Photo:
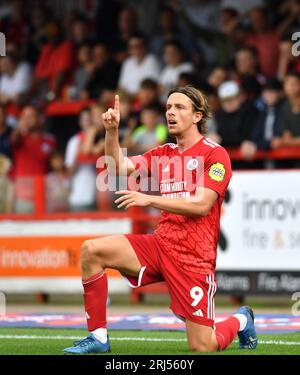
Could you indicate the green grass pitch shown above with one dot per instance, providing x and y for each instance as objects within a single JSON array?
[{"x": 53, "y": 341}]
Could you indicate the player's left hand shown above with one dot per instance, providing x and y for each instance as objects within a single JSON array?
[{"x": 132, "y": 198}]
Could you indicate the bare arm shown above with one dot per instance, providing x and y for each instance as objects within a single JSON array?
[
  {"x": 111, "y": 121},
  {"x": 200, "y": 205},
  {"x": 59, "y": 81},
  {"x": 291, "y": 9},
  {"x": 88, "y": 142},
  {"x": 289, "y": 140},
  {"x": 89, "y": 147},
  {"x": 99, "y": 148},
  {"x": 285, "y": 58}
]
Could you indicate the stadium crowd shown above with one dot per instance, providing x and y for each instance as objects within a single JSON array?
[{"x": 240, "y": 54}]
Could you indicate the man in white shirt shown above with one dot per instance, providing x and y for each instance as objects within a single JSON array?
[
  {"x": 175, "y": 65},
  {"x": 139, "y": 65},
  {"x": 83, "y": 185},
  {"x": 15, "y": 78}
]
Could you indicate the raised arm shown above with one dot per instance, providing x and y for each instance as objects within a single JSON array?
[
  {"x": 111, "y": 121},
  {"x": 17, "y": 134}
]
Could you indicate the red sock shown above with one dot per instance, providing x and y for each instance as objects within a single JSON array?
[
  {"x": 226, "y": 331},
  {"x": 95, "y": 298}
]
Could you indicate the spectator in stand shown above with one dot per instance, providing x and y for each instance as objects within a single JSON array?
[
  {"x": 104, "y": 75},
  {"x": 202, "y": 17},
  {"x": 246, "y": 64},
  {"x": 15, "y": 79},
  {"x": 15, "y": 26},
  {"x": 229, "y": 23},
  {"x": 127, "y": 26},
  {"x": 265, "y": 40},
  {"x": 186, "y": 79},
  {"x": 251, "y": 88},
  {"x": 288, "y": 59},
  {"x": 93, "y": 143},
  {"x": 217, "y": 26},
  {"x": 39, "y": 25},
  {"x": 82, "y": 73},
  {"x": 267, "y": 132},
  {"x": 82, "y": 167},
  {"x": 54, "y": 66},
  {"x": 168, "y": 30},
  {"x": 148, "y": 93},
  {"x": 107, "y": 18},
  {"x": 150, "y": 134},
  {"x": 289, "y": 11},
  {"x": 217, "y": 76},
  {"x": 175, "y": 64},
  {"x": 6, "y": 186},
  {"x": 80, "y": 32},
  {"x": 214, "y": 106},
  {"x": 5, "y": 135},
  {"x": 58, "y": 185},
  {"x": 128, "y": 120},
  {"x": 235, "y": 120},
  {"x": 32, "y": 148},
  {"x": 139, "y": 65},
  {"x": 291, "y": 110},
  {"x": 212, "y": 98}
]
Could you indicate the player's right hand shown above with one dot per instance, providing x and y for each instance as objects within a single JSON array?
[{"x": 111, "y": 118}]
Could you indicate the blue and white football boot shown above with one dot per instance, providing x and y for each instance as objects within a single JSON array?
[
  {"x": 247, "y": 337},
  {"x": 89, "y": 345}
]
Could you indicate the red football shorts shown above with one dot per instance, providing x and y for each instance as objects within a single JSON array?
[{"x": 192, "y": 294}]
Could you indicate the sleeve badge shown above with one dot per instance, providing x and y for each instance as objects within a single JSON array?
[{"x": 217, "y": 172}]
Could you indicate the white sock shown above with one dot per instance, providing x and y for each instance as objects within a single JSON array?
[
  {"x": 101, "y": 334},
  {"x": 242, "y": 319}
]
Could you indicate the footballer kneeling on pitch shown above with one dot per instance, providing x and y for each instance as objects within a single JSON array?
[{"x": 192, "y": 176}]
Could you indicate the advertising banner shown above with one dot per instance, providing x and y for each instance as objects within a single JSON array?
[
  {"x": 44, "y": 256},
  {"x": 259, "y": 247}
]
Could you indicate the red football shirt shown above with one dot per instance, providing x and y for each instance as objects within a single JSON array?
[
  {"x": 54, "y": 59},
  {"x": 267, "y": 46},
  {"x": 190, "y": 241},
  {"x": 31, "y": 155}
]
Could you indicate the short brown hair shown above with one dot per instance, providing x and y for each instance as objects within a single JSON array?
[{"x": 199, "y": 103}]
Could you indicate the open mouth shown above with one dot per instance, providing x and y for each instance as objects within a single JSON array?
[{"x": 172, "y": 122}]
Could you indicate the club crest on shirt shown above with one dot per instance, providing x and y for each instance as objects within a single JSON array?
[
  {"x": 192, "y": 164},
  {"x": 217, "y": 172}
]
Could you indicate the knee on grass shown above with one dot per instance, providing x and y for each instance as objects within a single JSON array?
[{"x": 202, "y": 347}]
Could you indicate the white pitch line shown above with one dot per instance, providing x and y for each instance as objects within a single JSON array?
[
  {"x": 280, "y": 342},
  {"x": 26, "y": 337},
  {"x": 149, "y": 339}
]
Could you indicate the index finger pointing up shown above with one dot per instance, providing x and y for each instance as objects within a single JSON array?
[{"x": 117, "y": 103}]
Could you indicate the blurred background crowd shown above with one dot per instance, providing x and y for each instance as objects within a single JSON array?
[{"x": 239, "y": 53}]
